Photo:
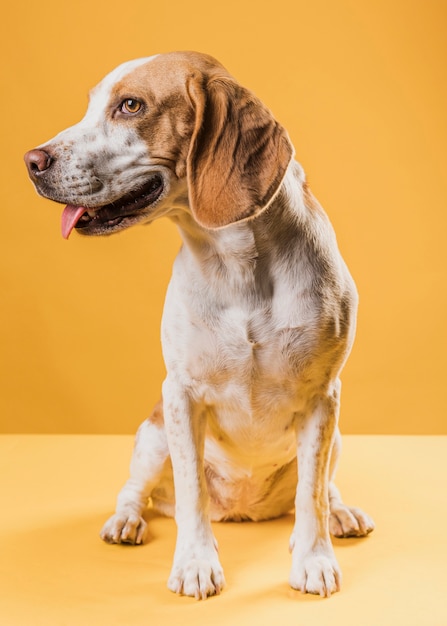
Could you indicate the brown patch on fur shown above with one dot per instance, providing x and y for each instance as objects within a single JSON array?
[
  {"x": 156, "y": 416},
  {"x": 239, "y": 154},
  {"x": 167, "y": 121},
  {"x": 309, "y": 199},
  {"x": 206, "y": 126}
]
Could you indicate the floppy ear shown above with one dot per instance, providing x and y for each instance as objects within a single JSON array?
[{"x": 238, "y": 154}]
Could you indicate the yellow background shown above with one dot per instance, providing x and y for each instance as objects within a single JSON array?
[{"x": 361, "y": 87}]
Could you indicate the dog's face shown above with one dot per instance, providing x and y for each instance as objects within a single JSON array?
[
  {"x": 115, "y": 167},
  {"x": 167, "y": 133}
]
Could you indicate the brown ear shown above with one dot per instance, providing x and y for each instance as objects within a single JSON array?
[{"x": 238, "y": 154}]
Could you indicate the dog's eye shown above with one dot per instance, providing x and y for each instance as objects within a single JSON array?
[{"x": 130, "y": 106}]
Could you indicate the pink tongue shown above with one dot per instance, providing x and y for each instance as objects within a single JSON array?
[{"x": 70, "y": 217}]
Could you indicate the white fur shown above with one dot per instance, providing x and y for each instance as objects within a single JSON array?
[{"x": 119, "y": 155}]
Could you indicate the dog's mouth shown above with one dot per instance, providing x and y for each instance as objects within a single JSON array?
[{"x": 117, "y": 215}]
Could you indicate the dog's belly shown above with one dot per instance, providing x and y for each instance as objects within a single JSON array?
[
  {"x": 250, "y": 466},
  {"x": 255, "y": 496}
]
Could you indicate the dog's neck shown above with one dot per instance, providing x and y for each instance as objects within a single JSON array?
[{"x": 245, "y": 254}]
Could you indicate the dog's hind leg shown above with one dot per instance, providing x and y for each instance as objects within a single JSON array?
[
  {"x": 344, "y": 521},
  {"x": 150, "y": 460}
]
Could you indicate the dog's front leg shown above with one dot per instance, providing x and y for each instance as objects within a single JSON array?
[
  {"x": 196, "y": 570},
  {"x": 314, "y": 566}
]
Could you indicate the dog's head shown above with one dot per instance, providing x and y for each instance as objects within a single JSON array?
[{"x": 168, "y": 133}]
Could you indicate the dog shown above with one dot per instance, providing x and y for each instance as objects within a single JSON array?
[{"x": 259, "y": 317}]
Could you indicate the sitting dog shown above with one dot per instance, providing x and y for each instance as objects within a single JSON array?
[{"x": 259, "y": 316}]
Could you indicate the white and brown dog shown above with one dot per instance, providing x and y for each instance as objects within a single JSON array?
[{"x": 259, "y": 316}]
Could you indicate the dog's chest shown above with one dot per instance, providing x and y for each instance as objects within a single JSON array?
[
  {"x": 249, "y": 357},
  {"x": 246, "y": 330}
]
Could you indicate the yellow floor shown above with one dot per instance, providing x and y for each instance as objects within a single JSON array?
[{"x": 56, "y": 491}]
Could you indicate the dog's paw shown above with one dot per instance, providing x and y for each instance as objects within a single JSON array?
[
  {"x": 316, "y": 573},
  {"x": 124, "y": 528},
  {"x": 348, "y": 521},
  {"x": 198, "y": 578}
]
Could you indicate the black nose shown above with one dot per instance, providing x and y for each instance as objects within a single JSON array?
[{"x": 37, "y": 162}]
